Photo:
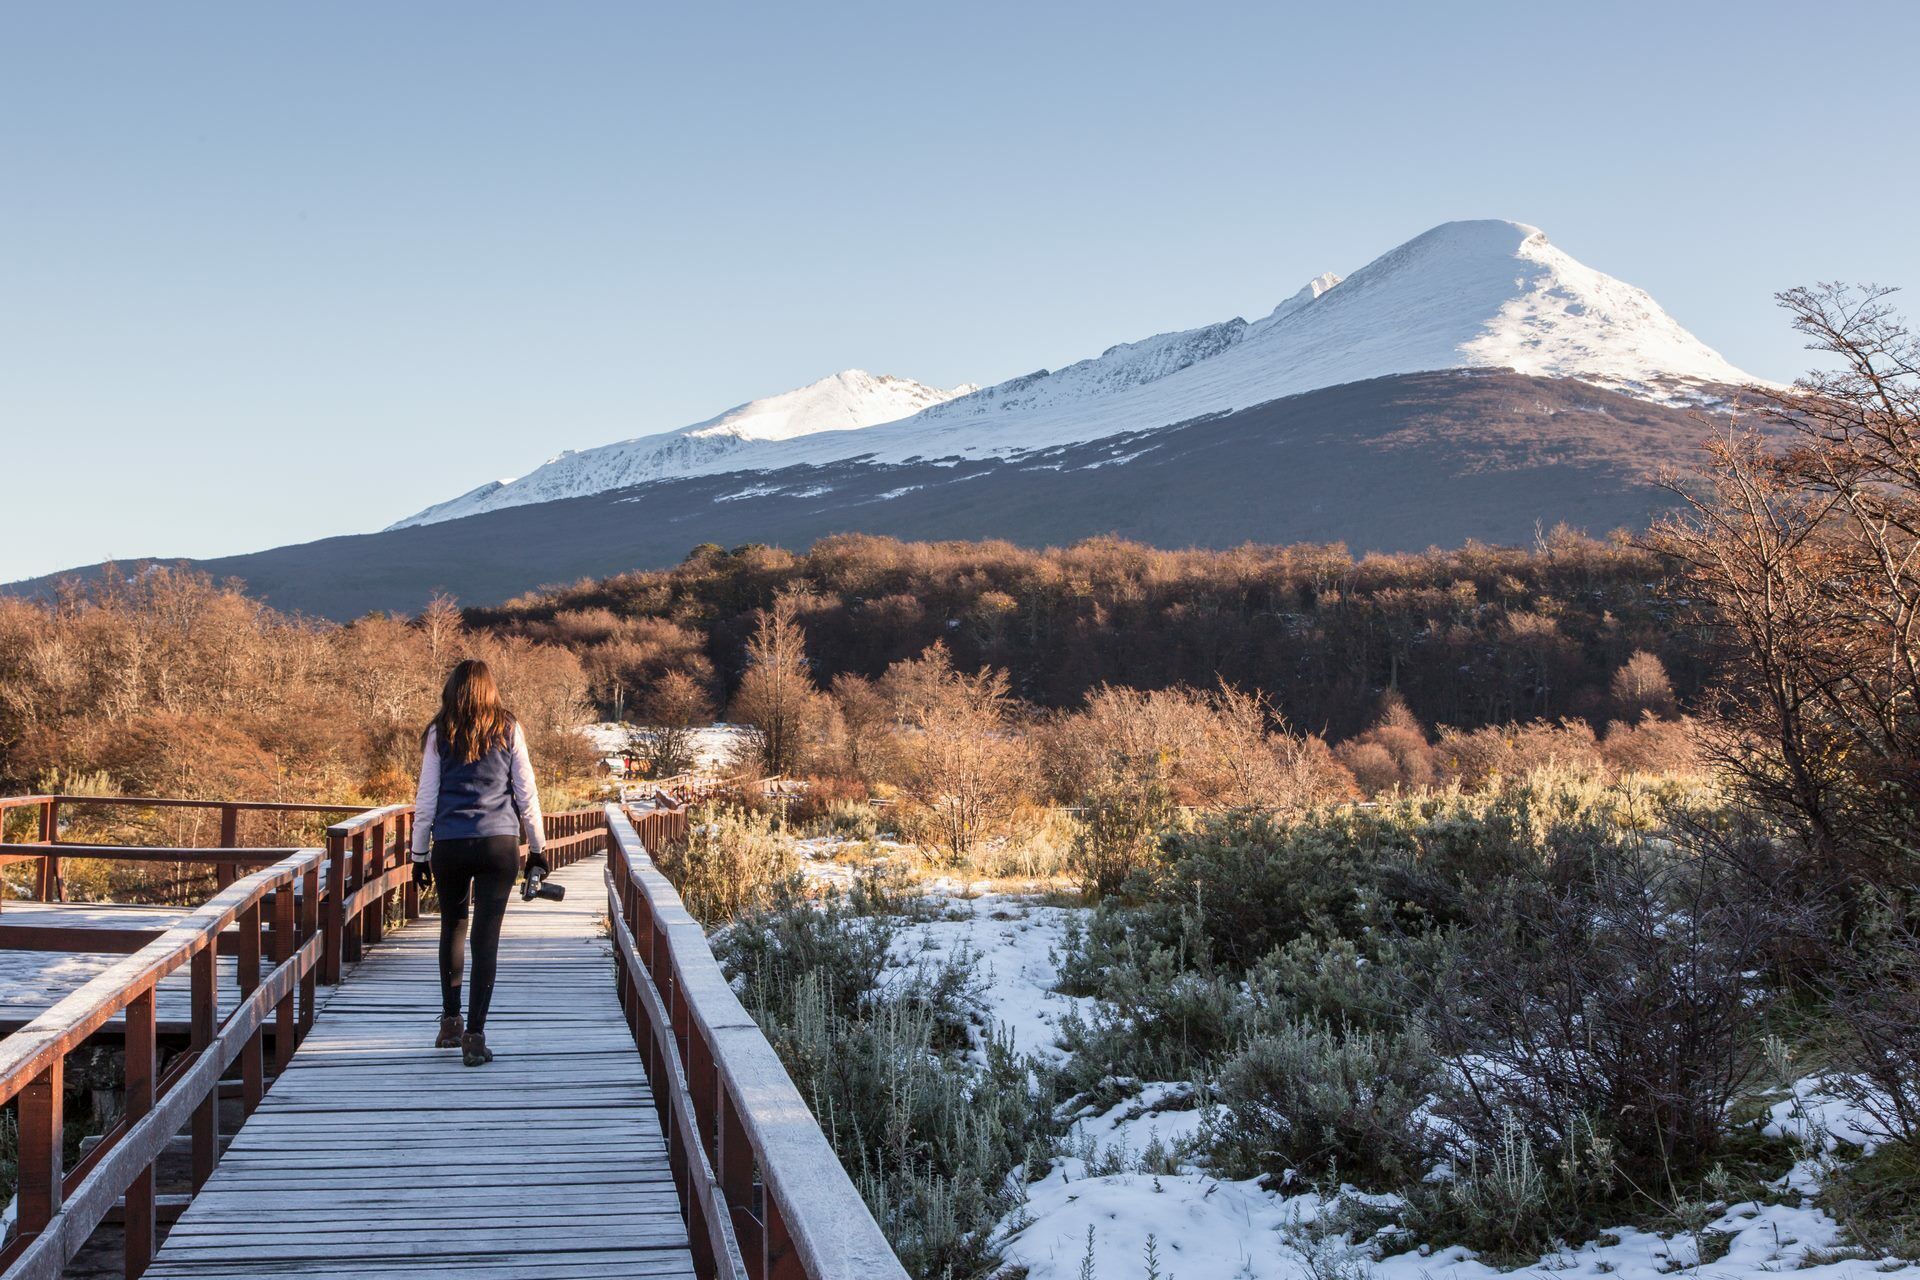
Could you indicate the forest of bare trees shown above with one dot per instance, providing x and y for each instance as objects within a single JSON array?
[
  {"x": 1467, "y": 637},
  {"x": 169, "y": 684}
]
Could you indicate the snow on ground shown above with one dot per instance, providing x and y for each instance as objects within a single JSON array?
[
  {"x": 1208, "y": 1228},
  {"x": 715, "y": 746},
  {"x": 1211, "y": 1229},
  {"x": 835, "y": 862},
  {"x": 1111, "y": 1178},
  {"x": 1816, "y": 1114},
  {"x": 1010, "y": 943}
]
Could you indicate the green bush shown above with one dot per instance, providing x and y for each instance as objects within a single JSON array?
[
  {"x": 1511, "y": 1203},
  {"x": 1333, "y": 981},
  {"x": 1258, "y": 882},
  {"x": 1120, "y": 825},
  {"x": 1163, "y": 1011},
  {"x": 1877, "y": 1200},
  {"x": 1306, "y": 1100},
  {"x": 931, "y": 1131}
]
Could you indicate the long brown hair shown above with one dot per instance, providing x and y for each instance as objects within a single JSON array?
[{"x": 472, "y": 719}]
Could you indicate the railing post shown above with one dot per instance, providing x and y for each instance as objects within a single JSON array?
[
  {"x": 253, "y": 1082},
  {"x": 780, "y": 1261},
  {"x": 309, "y": 926},
  {"x": 410, "y": 895},
  {"x": 205, "y": 1016},
  {"x": 733, "y": 1170},
  {"x": 285, "y": 944},
  {"x": 42, "y": 1142},
  {"x": 376, "y": 918},
  {"x": 335, "y": 943},
  {"x": 355, "y": 930},
  {"x": 139, "y": 1230},
  {"x": 225, "y": 873},
  {"x": 51, "y": 888}
]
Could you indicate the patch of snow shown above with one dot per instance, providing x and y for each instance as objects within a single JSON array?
[
  {"x": 1208, "y": 1228},
  {"x": 1818, "y": 1114},
  {"x": 715, "y": 746},
  {"x": 1011, "y": 942},
  {"x": 751, "y": 491}
]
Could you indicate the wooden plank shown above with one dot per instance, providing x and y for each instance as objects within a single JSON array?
[{"x": 376, "y": 1157}]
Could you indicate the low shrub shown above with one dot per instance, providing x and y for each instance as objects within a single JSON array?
[
  {"x": 931, "y": 1127},
  {"x": 733, "y": 861},
  {"x": 1257, "y": 882},
  {"x": 1120, "y": 829},
  {"x": 1306, "y": 1100},
  {"x": 1877, "y": 1200},
  {"x": 1620, "y": 1004},
  {"x": 1873, "y": 986}
]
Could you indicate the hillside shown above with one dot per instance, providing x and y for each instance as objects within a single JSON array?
[{"x": 1390, "y": 464}]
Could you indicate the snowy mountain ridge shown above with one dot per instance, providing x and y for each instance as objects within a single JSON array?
[
  {"x": 845, "y": 401},
  {"x": 1485, "y": 294}
]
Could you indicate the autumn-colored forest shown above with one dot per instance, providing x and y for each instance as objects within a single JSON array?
[{"x": 1468, "y": 637}]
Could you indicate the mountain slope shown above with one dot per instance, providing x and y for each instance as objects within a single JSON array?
[
  {"x": 845, "y": 401},
  {"x": 1479, "y": 294},
  {"x": 1389, "y": 464}
]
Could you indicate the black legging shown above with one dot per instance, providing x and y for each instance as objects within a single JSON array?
[{"x": 481, "y": 869}]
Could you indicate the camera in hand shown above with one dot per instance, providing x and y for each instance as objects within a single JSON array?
[{"x": 536, "y": 886}]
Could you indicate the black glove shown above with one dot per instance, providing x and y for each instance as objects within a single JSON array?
[
  {"x": 423, "y": 873},
  {"x": 537, "y": 858}
]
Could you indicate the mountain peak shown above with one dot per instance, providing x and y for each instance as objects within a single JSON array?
[
  {"x": 1483, "y": 293},
  {"x": 843, "y": 401}
]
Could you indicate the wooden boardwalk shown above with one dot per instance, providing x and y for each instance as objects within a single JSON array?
[{"x": 375, "y": 1155}]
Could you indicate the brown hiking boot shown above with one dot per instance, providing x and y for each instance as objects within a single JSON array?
[
  {"x": 451, "y": 1029},
  {"x": 473, "y": 1049}
]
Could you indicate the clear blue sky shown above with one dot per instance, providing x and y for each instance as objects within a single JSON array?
[{"x": 270, "y": 272}]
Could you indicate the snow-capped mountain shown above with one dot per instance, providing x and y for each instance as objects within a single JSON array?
[
  {"x": 1479, "y": 294},
  {"x": 845, "y": 401}
]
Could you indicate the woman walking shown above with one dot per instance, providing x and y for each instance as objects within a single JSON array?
[{"x": 476, "y": 798}]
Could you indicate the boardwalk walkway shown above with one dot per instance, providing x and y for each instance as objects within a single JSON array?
[{"x": 377, "y": 1156}]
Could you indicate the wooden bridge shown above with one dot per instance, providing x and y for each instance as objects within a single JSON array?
[{"x": 276, "y": 1065}]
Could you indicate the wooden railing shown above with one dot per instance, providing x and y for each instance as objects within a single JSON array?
[
  {"x": 48, "y": 850},
  {"x": 764, "y": 1195},
  {"x": 691, "y": 788},
  {"x": 294, "y": 922},
  {"x": 58, "y": 1208}
]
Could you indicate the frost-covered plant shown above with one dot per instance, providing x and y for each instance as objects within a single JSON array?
[
  {"x": 931, "y": 1128},
  {"x": 1306, "y": 1099},
  {"x": 1322, "y": 1242},
  {"x": 1164, "y": 1012}
]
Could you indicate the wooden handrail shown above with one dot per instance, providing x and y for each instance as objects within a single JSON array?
[
  {"x": 727, "y": 1104},
  {"x": 58, "y": 1211},
  {"x": 226, "y": 870},
  {"x": 177, "y": 802}
]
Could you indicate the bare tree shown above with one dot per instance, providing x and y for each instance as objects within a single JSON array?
[
  {"x": 1641, "y": 687},
  {"x": 672, "y": 708},
  {"x": 777, "y": 695},
  {"x": 442, "y": 624},
  {"x": 964, "y": 767},
  {"x": 1806, "y": 561}
]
